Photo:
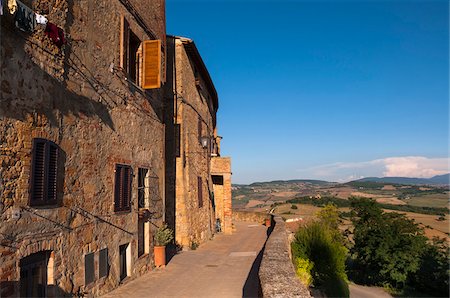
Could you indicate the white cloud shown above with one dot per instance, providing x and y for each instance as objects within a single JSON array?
[
  {"x": 408, "y": 166},
  {"x": 415, "y": 166}
]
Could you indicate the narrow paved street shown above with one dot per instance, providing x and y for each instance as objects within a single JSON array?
[
  {"x": 219, "y": 268},
  {"x": 358, "y": 291}
]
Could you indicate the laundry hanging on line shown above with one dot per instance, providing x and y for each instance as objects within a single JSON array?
[
  {"x": 40, "y": 19},
  {"x": 12, "y": 6},
  {"x": 25, "y": 17},
  {"x": 56, "y": 34}
]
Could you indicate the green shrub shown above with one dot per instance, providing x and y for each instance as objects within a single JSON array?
[
  {"x": 163, "y": 236},
  {"x": 303, "y": 270},
  {"x": 294, "y": 207},
  {"x": 317, "y": 243}
]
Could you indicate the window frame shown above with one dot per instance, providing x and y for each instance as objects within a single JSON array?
[{"x": 48, "y": 173}]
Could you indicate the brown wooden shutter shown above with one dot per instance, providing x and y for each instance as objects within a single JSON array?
[
  {"x": 89, "y": 272},
  {"x": 200, "y": 192},
  {"x": 38, "y": 172},
  {"x": 103, "y": 266},
  {"x": 52, "y": 173},
  {"x": 124, "y": 43},
  {"x": 118, "y": 189},
  {"x": 122, "y": 188},
  {"x": 151, "y": 66},
  {"x": 127, "y": 189}
]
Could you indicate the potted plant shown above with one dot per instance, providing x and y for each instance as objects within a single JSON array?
[{"x": 163, "y": 236}]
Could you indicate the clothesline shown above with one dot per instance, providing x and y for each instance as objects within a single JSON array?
[{"x": 27, "y": 20}]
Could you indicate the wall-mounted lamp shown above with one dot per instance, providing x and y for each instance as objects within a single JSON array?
[{"x": 204, "y": 141}]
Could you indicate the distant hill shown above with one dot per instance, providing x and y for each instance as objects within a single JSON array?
[
  {"x": 279, "y": 182},
  {"x": 436, "y": 180}
]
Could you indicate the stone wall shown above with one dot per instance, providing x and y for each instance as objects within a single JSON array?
[
  {"x": 276, "y": 273},
  {"x": 259, "y": 217},
  {"x": 78, "y": 98}
]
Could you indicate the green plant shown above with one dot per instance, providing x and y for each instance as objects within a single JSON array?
[
  {"x": 388, "y": 246},
  {"x": 317, "y": 244},
  {"x": 163, "y": 236},
  {"x": 194, "y": 245},
  {"x": 294, "y": 207},
  {"x": 303, "y": 270}
]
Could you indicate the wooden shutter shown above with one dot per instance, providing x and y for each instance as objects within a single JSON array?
[
  {"x": 122, "y": 188},
  {"x": 200, "y": 192},
  {"x": 151, "y": 66},
  {"x": 126, "y": 196},
  {"x": 118, "y": 189},
  {"x": 103, "y": 266},
  {"x": 52, "y": 173},
  {"x": 38, "y": 172},
  {"x": 89, "y": 273},
  {"x": 44, "y": 173},
  {"x": 124, "y": 43}
]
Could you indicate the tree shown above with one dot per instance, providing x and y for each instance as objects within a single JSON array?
[
  {"x": 387, "y": 246},
  {"x": 433, "y": 274}
]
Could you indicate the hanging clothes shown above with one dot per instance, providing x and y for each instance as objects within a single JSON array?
[
  {"x": 56, "y": 34},
  {"x": 24, "y": 18},
  {"x": 40, "y": 19},
  {"x": 12, "y": 6}
]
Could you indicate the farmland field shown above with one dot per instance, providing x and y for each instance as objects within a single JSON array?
[{"x": 432, "y": 200}]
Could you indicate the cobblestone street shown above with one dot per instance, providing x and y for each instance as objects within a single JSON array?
[{"x": 219, "y": 268}]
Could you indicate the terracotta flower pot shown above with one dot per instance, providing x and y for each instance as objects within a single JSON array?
[
  {"x": 268, "y": 222},
  {"x": 160, "y": 256}
]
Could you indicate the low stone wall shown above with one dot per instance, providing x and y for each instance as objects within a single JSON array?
[
  {"x": 276, "y": 273},
  {"x": 259, "y": 217}
]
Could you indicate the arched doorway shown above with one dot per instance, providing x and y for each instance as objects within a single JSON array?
[{"x": 36, "y": 273}]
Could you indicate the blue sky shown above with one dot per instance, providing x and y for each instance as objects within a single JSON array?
[{"x": 332, "y": 90}]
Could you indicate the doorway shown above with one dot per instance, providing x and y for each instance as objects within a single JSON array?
[{"x": 34, "y": 270}]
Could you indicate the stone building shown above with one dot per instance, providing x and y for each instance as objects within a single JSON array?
[
  {"x": 81, "y": 143},
  {"x": 198, "y": 180}
]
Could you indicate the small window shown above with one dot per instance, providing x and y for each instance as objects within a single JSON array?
[
  {"x": 103, "y": 266},
  {"x": 200, "y": 192},
  {"x": 122, "y": 188},
  {"x": 89, "y": 272},
  {"x": 44, "y": 173}
]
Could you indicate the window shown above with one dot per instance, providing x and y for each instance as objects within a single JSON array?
[
  {"x": 103, "y": 266},
  {"x": 140, "y": 60},
  {"x": 44, "y": 173},
  {"x": 89, "y": 272},
  {"x": 200, "y": 192},
  {"x": 122, "y": 188},
  {"x": 143, "y": 188}
]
